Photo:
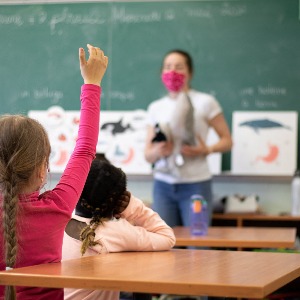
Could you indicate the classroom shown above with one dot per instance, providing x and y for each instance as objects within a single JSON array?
[{"x": 246, "y": 54}]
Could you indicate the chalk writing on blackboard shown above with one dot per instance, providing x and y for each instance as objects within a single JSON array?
[
  {"x": 11, "y": 20},
  {"x": 67, "y": 17},
  {"x": 199, "y": 13},
  {"x": 249, "y": 91},
  {"x": 40, "y": 18},
  {"x": 271, "y": 90},
  {"x": 122, "y": 15},
  {"x": 123, "y": 96},
  {"x": 226, "y": 10},
  {"x": 258, "y": 103},
  {"x": 265, "y": 90},
  {"x": 63, "y": 17},
  {"x": 245, "y": 103},
  {"x": 169, "y": 15},
  {"x": 262, "y": 96},
  {"x": 18, "y": 20},
  {"x": 42, "y": 94},
  {"x": 265, "y": 104},
  {"x": 230, "y": 10}
]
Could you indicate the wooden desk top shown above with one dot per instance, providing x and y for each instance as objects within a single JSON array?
[
  {"x": 179, "y": 271},
  {"x": 238, "y": 237}
]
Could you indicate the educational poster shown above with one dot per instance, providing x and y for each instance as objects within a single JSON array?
[
  {"x": 121, "y": 138},
  {"x": 265, "y": 143},
  {"x": 62, "y": 128}
]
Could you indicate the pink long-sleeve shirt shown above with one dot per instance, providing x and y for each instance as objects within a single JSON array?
[
  {"x": 139, "y": 229},
  {"x": 42, "y": 218}
]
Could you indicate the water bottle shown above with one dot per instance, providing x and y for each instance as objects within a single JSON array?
[
  {"x": 198, "y": 215},
  {"x": 295, "y": 192}
]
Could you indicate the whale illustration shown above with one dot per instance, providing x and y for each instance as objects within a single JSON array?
[
  {"x": 115, "y": 127},
  {"x": 259, "y": 124}
]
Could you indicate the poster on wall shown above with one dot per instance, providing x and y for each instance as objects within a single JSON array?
[
  {"x": 265, "y": 142},
  {"x": 121, "y": 138}
]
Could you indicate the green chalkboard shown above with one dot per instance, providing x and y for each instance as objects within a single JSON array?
[{"x": 246, "y": 53}]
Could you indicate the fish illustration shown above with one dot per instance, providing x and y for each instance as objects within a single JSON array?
[
  {"x": 259, "y": 124},
  {"x": 116, "y": 127},
  {"x": 127, "y": 155}
]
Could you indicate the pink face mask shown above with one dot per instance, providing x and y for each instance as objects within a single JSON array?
[{"x": 173, "y": 81}]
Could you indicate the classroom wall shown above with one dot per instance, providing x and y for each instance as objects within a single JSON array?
[{"x": 274, "y": 193}]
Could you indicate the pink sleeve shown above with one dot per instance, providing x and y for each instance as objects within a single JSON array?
[
  {"x": 73, "y": 178},
  {"x": 152, "y": 233}
]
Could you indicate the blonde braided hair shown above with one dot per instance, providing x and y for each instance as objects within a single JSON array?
[
  {"x": 87, "y": 235},
  {"x": 10, "y": 209},
  {"x": 24, "y": 147}
]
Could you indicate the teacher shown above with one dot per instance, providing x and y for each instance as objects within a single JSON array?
[{"x": 178, "y": 125}]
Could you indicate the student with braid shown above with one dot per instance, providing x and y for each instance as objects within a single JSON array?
[
  {"x": 108, "y": 218},
  {"x": 34, "y": 223}
]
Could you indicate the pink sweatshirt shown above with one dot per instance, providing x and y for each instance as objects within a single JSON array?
[
  {"x": 42, "y": 218},
  {"x": 139, "y": 229}
]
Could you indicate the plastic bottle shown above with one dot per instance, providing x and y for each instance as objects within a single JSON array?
[
  {"x": 198, "y": 215},
  {"x": 295, "y": 193}
]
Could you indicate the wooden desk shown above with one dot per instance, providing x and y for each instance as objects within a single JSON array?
[
  {"x": 240, "y": 274},
  {"x": 238, "y": 237}
]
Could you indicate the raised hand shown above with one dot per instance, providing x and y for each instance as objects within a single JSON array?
[{"x": 93, "y": 69}]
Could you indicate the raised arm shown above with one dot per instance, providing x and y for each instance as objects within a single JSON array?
[{"x": 72, "y": 181}]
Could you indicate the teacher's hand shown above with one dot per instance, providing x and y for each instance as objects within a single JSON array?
[
  {"x": 163, "y": 149},
  {"x": 195, "y": 150}
]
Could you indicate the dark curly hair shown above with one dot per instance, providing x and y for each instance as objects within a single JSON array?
[{"x": 101, "y": 198}]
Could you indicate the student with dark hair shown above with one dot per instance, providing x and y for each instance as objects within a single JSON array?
[
  {"x": 34, "y": 223},
  {"x": 184, "y": 117},
  {"x": 108, "y": 218}
]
